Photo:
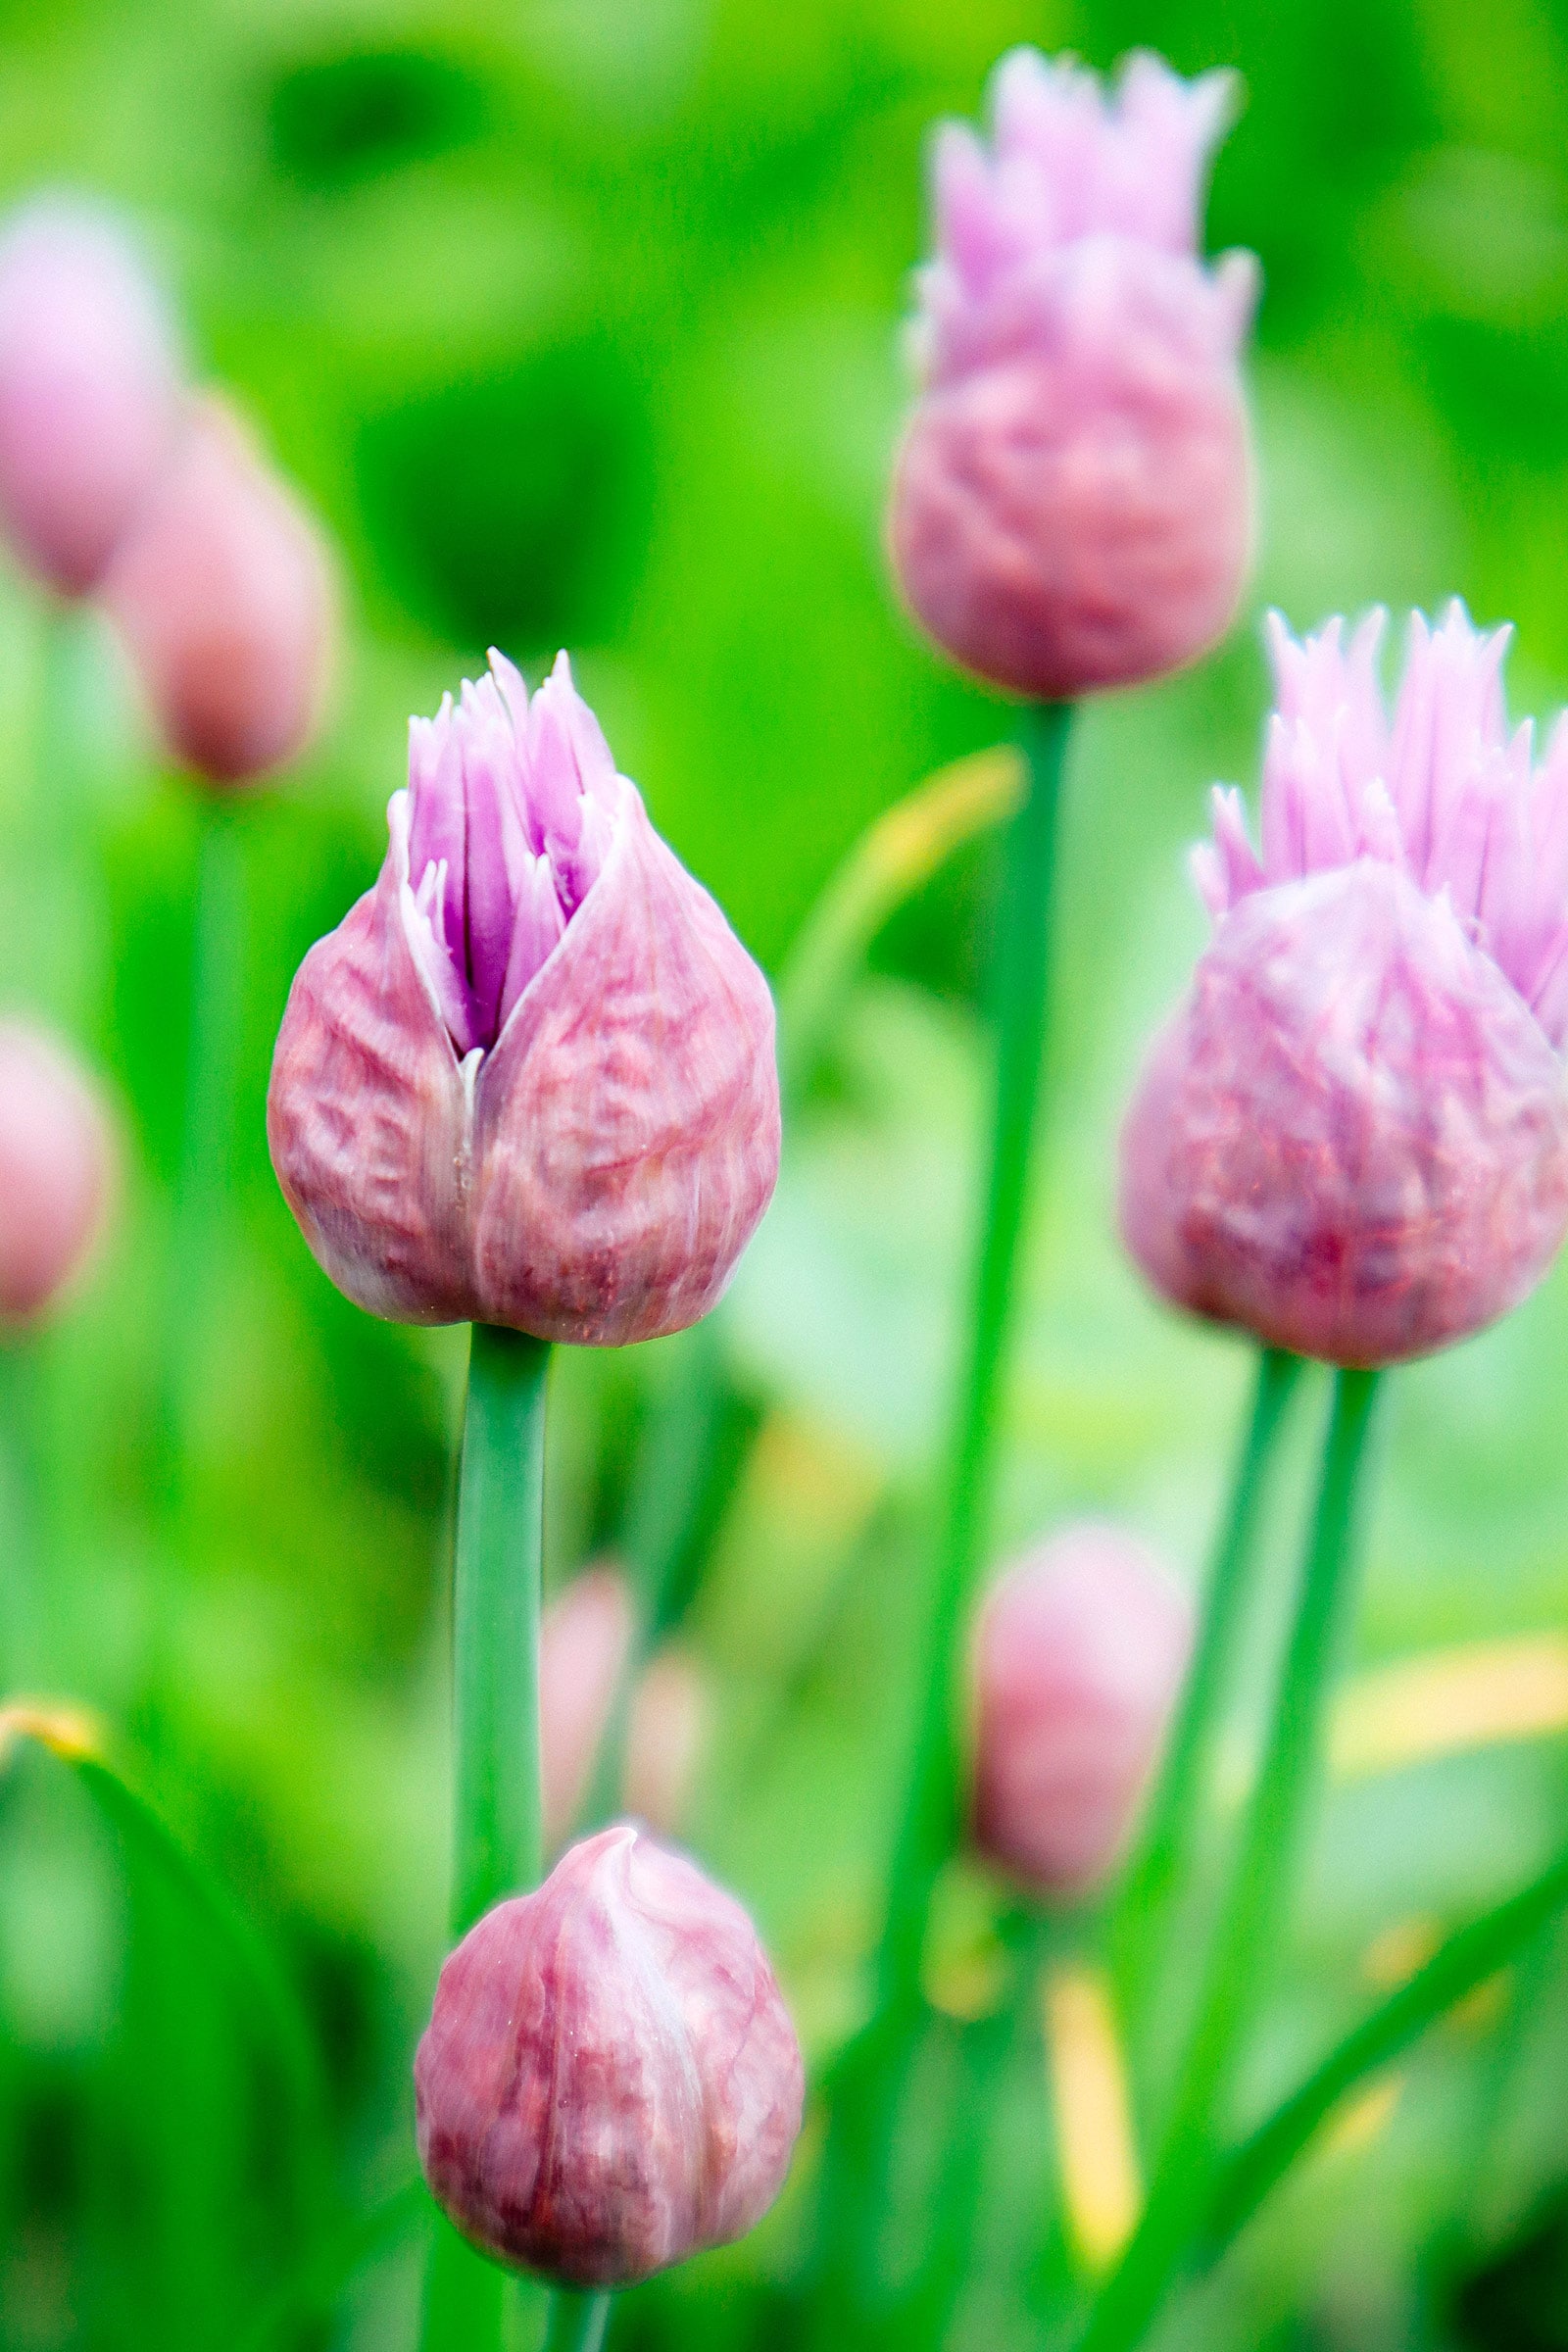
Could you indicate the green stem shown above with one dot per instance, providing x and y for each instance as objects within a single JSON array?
[
  {"x": 866, "y": 2089},
  {"x": 1250, "y": 1916},
  {"x": 1165, "y": 1852},
  {"x": 930, "y": 1815},
  {"x": 21, "y": 1601},
  {"x": 578, "y": 2322},
  {"x": 496, "y": 1846},
  {"x": 1467, "y": 1959}
]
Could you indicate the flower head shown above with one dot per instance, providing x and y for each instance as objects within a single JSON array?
[
  {"x": 529, "y": 1080},
  {"x": 585, "y": 1643},
  {"x": 56, "y": 1165},
  {"x": 89, "y": 388},
  {"x": 1078, "y": 1657},
  {"x": 1353, "y": 1138},
  {"x": 610, "y": 2080},
  {"x": 1072, "y": 505},
  {"x": 225, "y": 596}
]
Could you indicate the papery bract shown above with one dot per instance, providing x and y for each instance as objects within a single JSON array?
[
  {"x": 610, "y": 2080},
  {"x": 1353, "y": 1135},
  {"x": 530, "y": 1079},
  {"x": 225, "y": 596},
  {"x": 1078, "y": 1657},
  {"x": 89, "y": 388},
  {"x": 1072, "y": 504},
  {"x": 56, "y": 1164}
]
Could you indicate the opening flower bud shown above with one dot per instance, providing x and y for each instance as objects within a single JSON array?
[
  {"x": 56, "y": 1163},
  {"x": 1072, "y": 504},
  {"x": 1078, "y": 1657},
  {"x": 224, "y": 597},
  {"x": 610, "y": 2080},
  {"x": 584, "y": 1640},
  {"x": 89, "y": 388},
  {"x": 530, "y": 1079},
  {"x": 1352, "y": 1137}
]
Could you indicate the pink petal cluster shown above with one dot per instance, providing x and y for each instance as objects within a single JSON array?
[
  {"x": 1352, "y": 1137},
  {"x": 1079, "y": 1654},
  {"x": 90, "y": 388},
  {"x": 56, "y": 1170},
  {"x": 224, "y": 597},
  {"x": 584, "y": 1643},
  {"x": 1074, "y": 504},
  {"x": 610, "y": 2080},
  {"x": 531, "y": 1078}
]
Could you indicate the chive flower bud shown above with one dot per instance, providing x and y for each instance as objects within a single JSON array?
[
  {"x": 224, "y": 598},
  {"x": 1079, "y": 1654},
  {"x": 56, "y": 1166},
  {"x": 1072, "y": 502},
  {"x": 531, "y": 1078},
  {"x": 89, "y": 388},
  {"x": 1352, "y": 1138},
  {"x": 610, "y": 2080},
  {"x": 585, "y": 1641}
]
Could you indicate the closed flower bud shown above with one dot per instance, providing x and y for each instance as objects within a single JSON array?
[
  {"x": 56, "y": 1161},
  {"x": 1072, "y": 504},
  {"x": 529, "y": 1080},
  {"x": 610, "y": 2080},
  {"x": 1352, "y": 1137},
  {"x": 89, "y": 389},
  {"x": 226, "y": 600},
  {"x": 1078, "y": 1658},
  {"x": 585, "y": 1643}
]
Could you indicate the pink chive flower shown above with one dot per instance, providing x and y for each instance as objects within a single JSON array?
[
  {"x": 610, "y": 2080},
  {"x": 89, "y": 388},
  {"x": 55, "y": 1172},
  {"x": 585, "y": 1643},
  {"x": 530, "y": 1079},
  {"x": 225, "y": 596},
  {"x": 1352, "y": 1137},
  {"x": 1079, "y": 1654},
  {"x": 1072, "y": 504}
]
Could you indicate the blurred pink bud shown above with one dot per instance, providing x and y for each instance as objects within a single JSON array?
[
  {"x": 1072, "y": 504},
  {"x": 225, "y": 596},
  {"x": 610, "y": 2080},
  {"x": 56, "y": 1163},
  {"x": 529, "y": 1080},
  {"x": 584, "y": 1642},
  {"x": 89, "y": 388},
  {"x": 1078, "y": 1658},
  {"x": 1352, "y": 1137}
]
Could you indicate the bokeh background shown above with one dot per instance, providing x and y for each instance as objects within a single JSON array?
[{"x": 579, "y": 322}]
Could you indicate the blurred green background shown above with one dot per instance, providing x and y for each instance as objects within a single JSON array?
[{"x": 579, "y": 323}]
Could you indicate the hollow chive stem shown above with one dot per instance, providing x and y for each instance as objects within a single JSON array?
[
  {"x": 867, "y": 2092},
  {"x": 496, "y": 1846},
  {"x": 1250, "y": 1914},
  {"x": 578, "y": 2322},
  {"x": 1165, "y": 1850},
  {"x": 931, "y": 1805}
]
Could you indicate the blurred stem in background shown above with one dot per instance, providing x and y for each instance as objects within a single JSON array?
[
  {"x": 1250, "y": 1918},
  {"x": 216, "y": 1011},
  {"x": 1142, "y": 1928},
  {"x": 867, "y": 2093},
  {"x": 23, "y": 1662},
  {"x": 497, "y": 1846}
]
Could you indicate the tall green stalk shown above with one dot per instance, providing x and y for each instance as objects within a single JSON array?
[
  {"x": 866, "y": 2091},
  {"x": 496, "y": 1843},
  {"x": 578, "y": 2322},
  {"x": 931, "y": 1805},
  {"x": 1166, "y": 1852},
  {"x": 1251, "y": 1917}
]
